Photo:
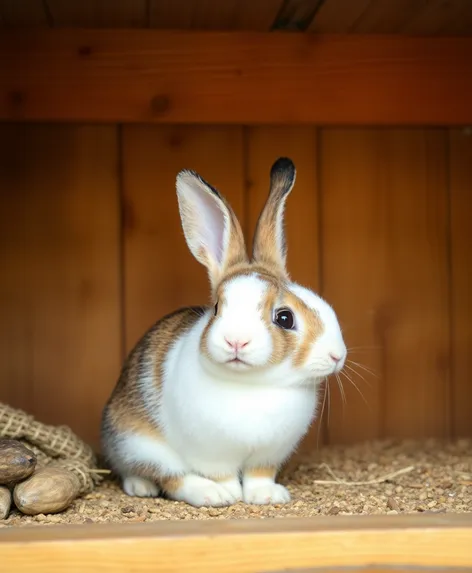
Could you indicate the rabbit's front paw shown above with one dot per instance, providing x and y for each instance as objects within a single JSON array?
[
  {"x": 199, "y": 491},
  {"x": 233, "y": 486},
  {"x": 266, "y": 493},
  {"x": 140, "y": 487}
]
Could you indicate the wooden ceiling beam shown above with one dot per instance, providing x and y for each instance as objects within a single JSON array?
[{"x": 234, "y": 78}]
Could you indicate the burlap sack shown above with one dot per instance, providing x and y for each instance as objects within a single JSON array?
[{"x": 52, "y": 445}]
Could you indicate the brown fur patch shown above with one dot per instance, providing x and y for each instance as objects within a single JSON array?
[
  {"x": 261, "y": 472},
  {"x": 283, "y": 341},
  {"x": 313, "y": 328},
  {"x": 265, "y": 245},
  {"x": 170, "y": 484},
  {"x": 220, "y": 298},
  {"x": 266, "y": 272},
  {"x": 126, "y": 410}
]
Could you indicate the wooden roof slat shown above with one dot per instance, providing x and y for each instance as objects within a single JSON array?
[
  {"x": 386, "y": 17},
  {"x": 364, "y": 16},
  {"x": 449, "y": 17},
  {"x": 415, "y": 17},
  {"x": 430, "y": 17},
  {"x": 337, "y": 16},
  {"x": 23, "y": 14},
  {"x": 250, "y": 15},
  {"x": 99, "y": 13},
  {"x": 296, "y": 14}
]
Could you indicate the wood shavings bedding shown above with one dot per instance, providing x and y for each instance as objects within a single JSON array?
[{"x": 371, "y": 478}]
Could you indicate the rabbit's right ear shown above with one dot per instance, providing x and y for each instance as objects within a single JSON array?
[
  {"x": 211, "y": 229},
  {"x": 269, "y": 239}
]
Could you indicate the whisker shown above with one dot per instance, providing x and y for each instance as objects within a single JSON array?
[
  {"x": 358, "y": 348},
  {"x": 358, "y": 374},
  {"x": 329, "y": 402},
  {"x": 366, "y": 368},
  {"x": 321, "y": 416},
  {"x": 341, "y": 389},
  {"x": 356, "y": 387}
]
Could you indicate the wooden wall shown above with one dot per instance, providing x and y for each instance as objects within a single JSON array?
[{"x": 92, "y": 252}]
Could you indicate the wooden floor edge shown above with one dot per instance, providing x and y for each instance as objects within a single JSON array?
[
  {"x": 321, "y": 524},
  {"x": 406, "y": 543}
]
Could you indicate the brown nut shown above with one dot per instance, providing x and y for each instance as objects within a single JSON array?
[
  {"x": 5, "y": 502},
  {"x": 49, "y": 490},
  {"x": 16, "y": 461}
]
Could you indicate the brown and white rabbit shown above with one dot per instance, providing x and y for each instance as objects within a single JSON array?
[{"x": 212, "y": 400}]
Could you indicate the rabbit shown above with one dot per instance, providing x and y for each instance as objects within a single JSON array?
[{"x": 213, "y": 400}]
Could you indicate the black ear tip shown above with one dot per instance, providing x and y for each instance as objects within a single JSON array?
[{"x": 283, "y": 166}]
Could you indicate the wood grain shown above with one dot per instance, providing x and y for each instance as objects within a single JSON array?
[
  {"x": 234, "y": 78},
  {"x": 353, "y": 262},
  {"x": 263, "y": 146},
  {"x": 385, "y": 269},
  {"x": 250, "y": 546},
  {"x": 59, "y": 332},
  {"x": 460, "y": 145},
  {"x": 98, "y": 13},
  {"x": 160, "y": 273},
  {"x": 204, "y": 15}
]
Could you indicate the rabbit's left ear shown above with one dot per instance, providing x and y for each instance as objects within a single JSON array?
[
  {"x": 211, "y": 228},
  {"x": 269, "y": 240}
]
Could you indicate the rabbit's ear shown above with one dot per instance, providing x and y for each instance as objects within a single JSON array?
[
  {"x": 269, "y": 246},
  {"x": 211, "y": 229}
]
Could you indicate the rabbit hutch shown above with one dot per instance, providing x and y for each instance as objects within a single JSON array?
[{"x": 102, "y": 104}]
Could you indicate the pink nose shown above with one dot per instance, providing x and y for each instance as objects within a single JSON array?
[
  {"x": 236, "y": 344},
  {"x": 334, "y": 357}
]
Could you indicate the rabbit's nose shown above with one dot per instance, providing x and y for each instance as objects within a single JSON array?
[
  {"x": 334, "y": 357},
  {"x": 236, "y": 344}
]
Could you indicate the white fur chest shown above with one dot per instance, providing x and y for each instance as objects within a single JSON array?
[{"x": 219, "y": 425}]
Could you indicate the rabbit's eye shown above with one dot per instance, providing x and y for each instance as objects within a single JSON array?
[
  {"x": 216, "y": 309},
  {"x": 284, "y": 318}
]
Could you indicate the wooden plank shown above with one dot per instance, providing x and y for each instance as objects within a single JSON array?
[
  {"x": 159, "y": 279},
  {"x": 59, "y": 289},
  {"x": 263, "y": 146},
  {"x": 234, "y": 78},
  {"x": 401, "y": 543},
  {"x": 99, "y": 13},
  {"x": 204, "y": 15},
  {"x": 23, "y": 14},
  {"x": 352, "y": 251},
  {"x": 460, "y": 145},
  {"x": 385, "y": 247}
]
